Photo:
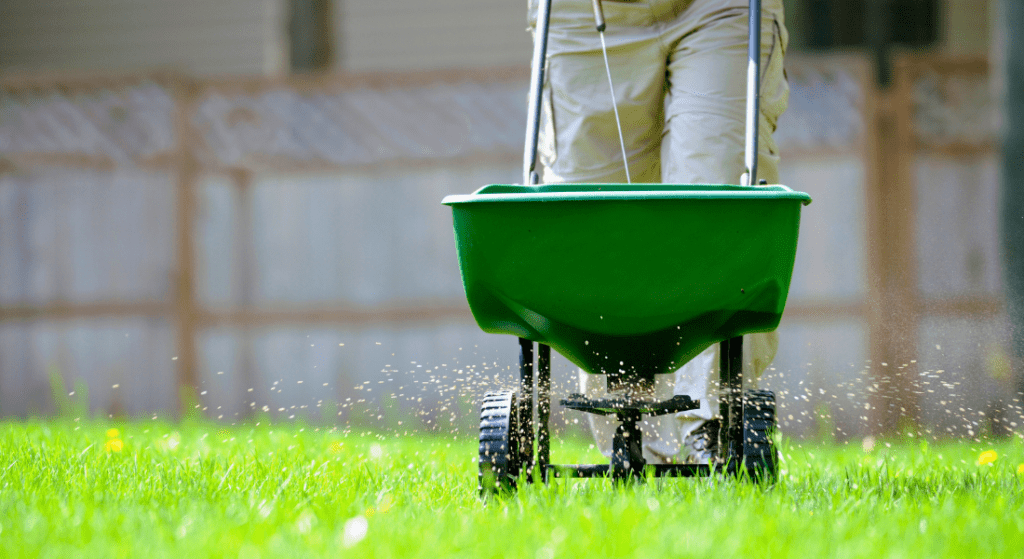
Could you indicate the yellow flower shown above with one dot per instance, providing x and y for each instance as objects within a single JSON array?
[
  {"x": 987, "y": 458},
  {"x": 335, "y": 447},
  {"x": 1020, "y": 469},
  {"x": 113, "y": 433},
  {"x": 114, "y": 445}
]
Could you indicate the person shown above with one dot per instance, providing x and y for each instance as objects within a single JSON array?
[{"x": 679, "y": 69}]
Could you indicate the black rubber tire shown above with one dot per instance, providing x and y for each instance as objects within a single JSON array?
[
  {"x": 760, "y": 456},
  {"x": 500, "y": 458}
]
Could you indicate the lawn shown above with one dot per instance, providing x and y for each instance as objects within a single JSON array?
[{"x": 195, "y": 489}]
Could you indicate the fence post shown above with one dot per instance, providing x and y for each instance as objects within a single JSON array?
[
  {"x": 1012, "y": 177},
  {"x": 894, "y": 307},
  {"x": 186, "y": 94},
  {"x": 244, "y": 272}
]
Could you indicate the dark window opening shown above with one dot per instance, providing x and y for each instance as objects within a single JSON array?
[
  {"x": 310, "y": 35},
  {"x": 875, "y": 25},
  {"x": 867, "y": 23}
]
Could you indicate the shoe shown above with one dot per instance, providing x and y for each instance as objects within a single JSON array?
[{"x": 701, "y": 445}]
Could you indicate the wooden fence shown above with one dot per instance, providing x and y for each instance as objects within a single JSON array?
[{"x": 187, "y": 183}]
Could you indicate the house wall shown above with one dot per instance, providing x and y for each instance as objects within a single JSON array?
[
  {"x": 198, "y": 36},
  {"x": 967, "y": 26},
  {"x": 250, "y": 36},
  {"x": 408, "y": 34}
]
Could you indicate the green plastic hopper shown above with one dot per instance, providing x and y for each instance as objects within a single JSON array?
[{"x": 626, "y": 282}]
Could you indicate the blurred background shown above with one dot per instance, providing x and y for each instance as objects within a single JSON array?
[{"x": 234, "y": 206}]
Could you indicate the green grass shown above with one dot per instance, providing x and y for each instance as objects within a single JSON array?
[{"x": 205, "y": 490}]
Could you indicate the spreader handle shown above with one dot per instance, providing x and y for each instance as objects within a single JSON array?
[
  {"x": 540, "y": 47},
  {"x": 598, "y": 15},
  {"x": 753, "y": 93}
]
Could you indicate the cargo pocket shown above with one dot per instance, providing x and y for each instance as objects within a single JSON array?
[
  {"x": 774, "y": 86},
  {"x": 547, "y": 145}
]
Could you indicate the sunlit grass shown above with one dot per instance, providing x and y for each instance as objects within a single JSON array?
[{"x": 207, "y": 490}]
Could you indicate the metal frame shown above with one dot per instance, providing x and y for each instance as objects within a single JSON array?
[
  {"x": 540, "y": 49},
  {"x": 627, "y": 457}
]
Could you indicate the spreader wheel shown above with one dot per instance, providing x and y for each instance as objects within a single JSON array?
[
  {"x": 760, "y": 457},
  {"x": 500, "y": 459}
]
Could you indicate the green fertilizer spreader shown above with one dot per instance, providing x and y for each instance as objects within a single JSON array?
[{"x": 627, "y": 281}]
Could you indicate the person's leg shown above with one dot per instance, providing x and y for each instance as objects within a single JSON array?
[
  {"x": 704, "y": 143},
  {"x": 579, "y": 141},
  {"x": 705, "y": 107}
]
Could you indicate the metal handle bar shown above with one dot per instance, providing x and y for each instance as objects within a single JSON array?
[
  {"x": 753, "y": 93},
  {"x": 598, "y": 15},
  {"x": 540, "y": 47}
]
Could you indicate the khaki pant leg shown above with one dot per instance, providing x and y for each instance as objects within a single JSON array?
[
  {"x": 704, "y": 143},
  {"x": 579, "y": 140},
  {"x": 705, "y": 108},
  {"x": 701, "y": 132}
]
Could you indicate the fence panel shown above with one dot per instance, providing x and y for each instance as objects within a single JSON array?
[{"x": 250, "y": 234}]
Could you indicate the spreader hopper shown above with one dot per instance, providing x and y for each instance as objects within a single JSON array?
[{"x": 627, "y": 280}]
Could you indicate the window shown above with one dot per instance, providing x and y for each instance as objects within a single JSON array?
[
  {"x": 870, "y": 24},
  {"x": 309, "y": 32},
  {"x": 827, "y": 24}
]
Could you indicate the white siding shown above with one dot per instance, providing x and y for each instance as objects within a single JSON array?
[
  {"x": 202, "y": 36},
  {"x": 966, "y": 26},
  {"x": 410, "y": 34}
]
